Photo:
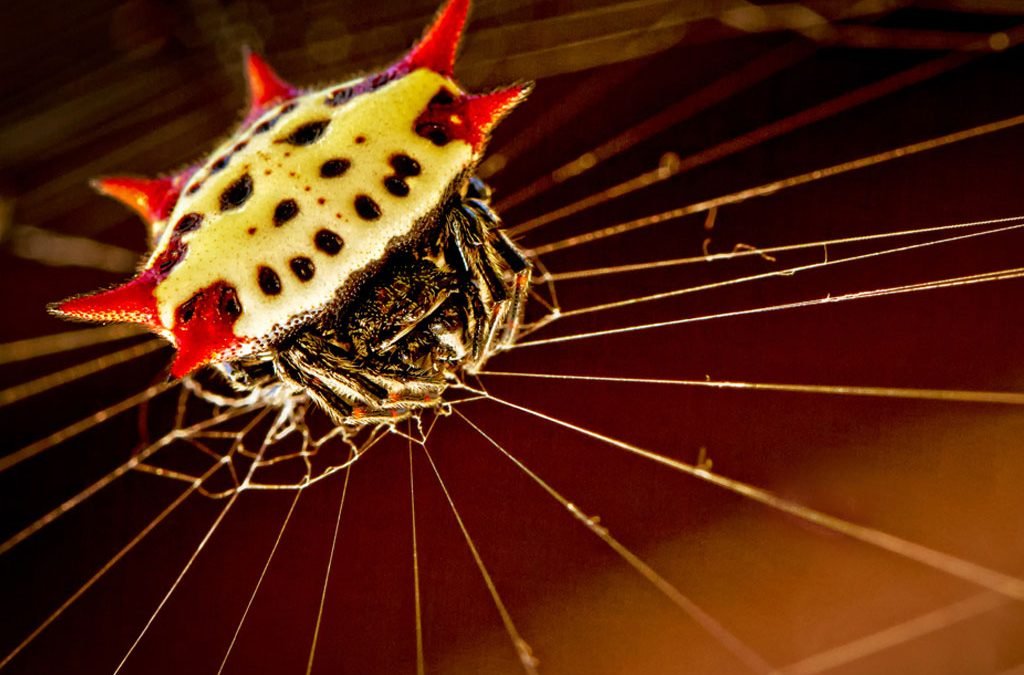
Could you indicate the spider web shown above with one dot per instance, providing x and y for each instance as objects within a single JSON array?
[{"x": 900, "y": 553}]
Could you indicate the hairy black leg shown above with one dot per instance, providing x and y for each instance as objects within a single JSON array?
[
  {"x": 509, "y": 253},
  {"x": 493, "y": 252},
  {"x": 477, "y": 189},
  {"x": 326, "y": 398},
  {"x": 342, "y": 386},
  {"x": 522, "y": 269},
  {"x": 460, "y": 257},
  {"x": 327, "y": 361}
]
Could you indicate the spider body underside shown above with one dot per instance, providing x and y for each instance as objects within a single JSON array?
[{"x": 447, "y": 303}]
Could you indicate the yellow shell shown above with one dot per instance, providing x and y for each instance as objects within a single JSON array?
[{"x": 231, "y": 245}]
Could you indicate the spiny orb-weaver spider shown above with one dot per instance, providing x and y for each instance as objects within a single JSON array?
[{"x": 338, "y": 242}]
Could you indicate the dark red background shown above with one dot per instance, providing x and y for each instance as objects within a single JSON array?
[{"x": 89, "y": 87}]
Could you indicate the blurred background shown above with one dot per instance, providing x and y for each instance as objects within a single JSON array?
[{"x": 660, "y": 104}]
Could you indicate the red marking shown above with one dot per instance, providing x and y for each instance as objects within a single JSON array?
[
  {"x": 151, "y": 198},
  {"x": 206, "y": 332},
  {"x": 440, "y": 42},
  {"x": 132, "y": 302},
  {"x": 470, "y": 117},
  {"x": 265, "y": 86}
]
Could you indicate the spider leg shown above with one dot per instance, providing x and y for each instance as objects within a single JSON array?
[
  {"x": 329, "y": 400},
  {"x": 478, "y": 250},
  {"x": 460, "y": 257},
  {"x": 522, "y": 269},
  {"x": 342, "y": 386},
  {"x": 324, "y": 370}
]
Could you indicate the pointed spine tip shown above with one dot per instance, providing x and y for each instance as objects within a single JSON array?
[
  {"x": 207, "y": 340},
  {"x": 265, "y": 85},
  {"x": 151, "y": 198},
  {"x": 485, "y": 111},
  {"x": 132, "y": 302},
  {"x": 440, "y": 43}
]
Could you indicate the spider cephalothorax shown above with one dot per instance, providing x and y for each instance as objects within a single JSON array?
[{"x": 338, "y": 241}]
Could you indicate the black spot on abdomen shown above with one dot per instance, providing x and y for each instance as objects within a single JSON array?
[
  {"x": 270, "y": 283},
  {"x": 434, "y": 132},
  {"x": 187, "y": 223},
  {"x": 333, "y": 168},
  {"x": 307, "y": 134},
  {"x": 266, "y": 125},
  {"x": 405, "y": 166},
  {"x": 285, "y": 210},
  {"x": 302, "y": 267},
  {"x": 236, "y": 194},
  {"x": 339, "y": 96},
  {"x": 396, "y": 186},
  {"x": 171, "y": 256},
  {"x": 229, "y": 303},
  {"x": 187, "y": 309},
  {"x": 328, "y": 241},
  {"x": 442, "y": 97},
  {"x": 367, "y": 208}
]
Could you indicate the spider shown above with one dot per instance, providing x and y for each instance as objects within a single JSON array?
[{"x": 338, "y": 242}]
